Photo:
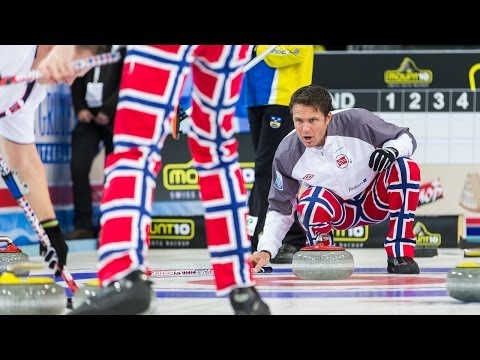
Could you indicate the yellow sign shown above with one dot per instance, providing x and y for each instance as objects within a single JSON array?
[
  {"x": 172, "y": 229},
  {"x": 408, "y": 73},
  {"x": 471, "y": 76},
  {"x": 356, "y": 234},
  {"x": 185, "y": 177},
  {"x": 425, "y": 237}
]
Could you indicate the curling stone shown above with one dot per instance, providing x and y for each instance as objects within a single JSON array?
[
  {"x": 322, "y": 262},
  {"x": 473, "y": 252},
  {"x": 463, "y": 282},
  {"x": 30, "y": 296},
  {"x": 11, "y": 254},
  {"x": 90, "y": 289}
]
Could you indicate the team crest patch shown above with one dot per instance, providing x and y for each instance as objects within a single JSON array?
[
  {"x": 275, "y": 122},
  {"x": 278, "y": 183},
  {"x": 342, "y": 161}
]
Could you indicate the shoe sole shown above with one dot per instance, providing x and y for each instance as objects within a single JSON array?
[{"x": 413, "y": 272}]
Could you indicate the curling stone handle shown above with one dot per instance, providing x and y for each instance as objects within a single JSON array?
[
  {"x": 6, "y": 239},
  {"x": 10, "y": 248}
]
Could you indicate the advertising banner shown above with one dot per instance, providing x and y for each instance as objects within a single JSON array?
[
  {"x": 178, "y": 232},
  {"x": 430, "y": 232},
  {"x": 178, "y": 180}
]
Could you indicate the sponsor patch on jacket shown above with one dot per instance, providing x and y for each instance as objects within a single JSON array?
[
  {"x": 275, "y": 122},
  {"x": 278, "y": 183},
  {"x": 342, "y": 161},
  {"x": 251, "y": 224},
  {"x": 308, "y": 177}
]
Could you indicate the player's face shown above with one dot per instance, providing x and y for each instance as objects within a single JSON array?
[{"x": 310, "y": 125}]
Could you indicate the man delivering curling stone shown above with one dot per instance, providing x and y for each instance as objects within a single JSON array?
[{"x": 355, "y": 169}]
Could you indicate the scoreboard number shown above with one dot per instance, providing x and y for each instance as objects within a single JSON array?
[
  {"x": 415, "y": 102},
  {"x": 462, "y": 101},
  {"x": 438, "y": 101},
  {"x": 411, "y": 100}
]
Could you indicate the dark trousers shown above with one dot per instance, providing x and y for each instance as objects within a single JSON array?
[
  {"x": 268, "y": 126},
  {"x": 86, "y": 139}
]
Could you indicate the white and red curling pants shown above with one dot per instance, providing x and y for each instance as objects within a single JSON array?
[
  {"x": 393, "y": 193},
  {"x": 152, "y": 82}
]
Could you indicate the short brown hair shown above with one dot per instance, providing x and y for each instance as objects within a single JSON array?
[{"x": 312, "y": 95}]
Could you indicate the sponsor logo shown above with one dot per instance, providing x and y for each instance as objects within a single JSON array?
[
  {"x": 308, "y": 177},
  {"x": 425, "y": 237},
  {"x": 278, "y": 183},
  {"x": 351, "y": 238},
  {"x": 286, "y": 51},
  {"x": 172, "y": 229},
  {"x": 185, "y": 177},
  {"x": 275, "y": 122},
  {"x": 430, "y": 192},
  {"x": 408, "y": 74},
  {"x": 342, "y": 161},
  {"x": 357, "y": 186}
]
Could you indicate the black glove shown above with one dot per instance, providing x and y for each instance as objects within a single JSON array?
[
  {"x": 57, "y": 241},
  {"x": 381, "y": 159}
]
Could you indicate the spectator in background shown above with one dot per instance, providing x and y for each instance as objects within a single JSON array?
[
  {"x": 270, "y": 85},
  {"x": 94, "y": 98}
]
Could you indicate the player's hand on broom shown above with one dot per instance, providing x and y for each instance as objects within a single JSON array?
[
  {"x": 57, "y": 67},
  {"x": 259, "y": 259},
  {"x": 57, "y": 250}
]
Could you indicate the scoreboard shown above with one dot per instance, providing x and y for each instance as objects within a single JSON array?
[
  {"x": 398, "y": 81},
  {"x": 433, "y": 93},
  {"x": 453, "y": 69},
  {"x": 407, "y": 100}
]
